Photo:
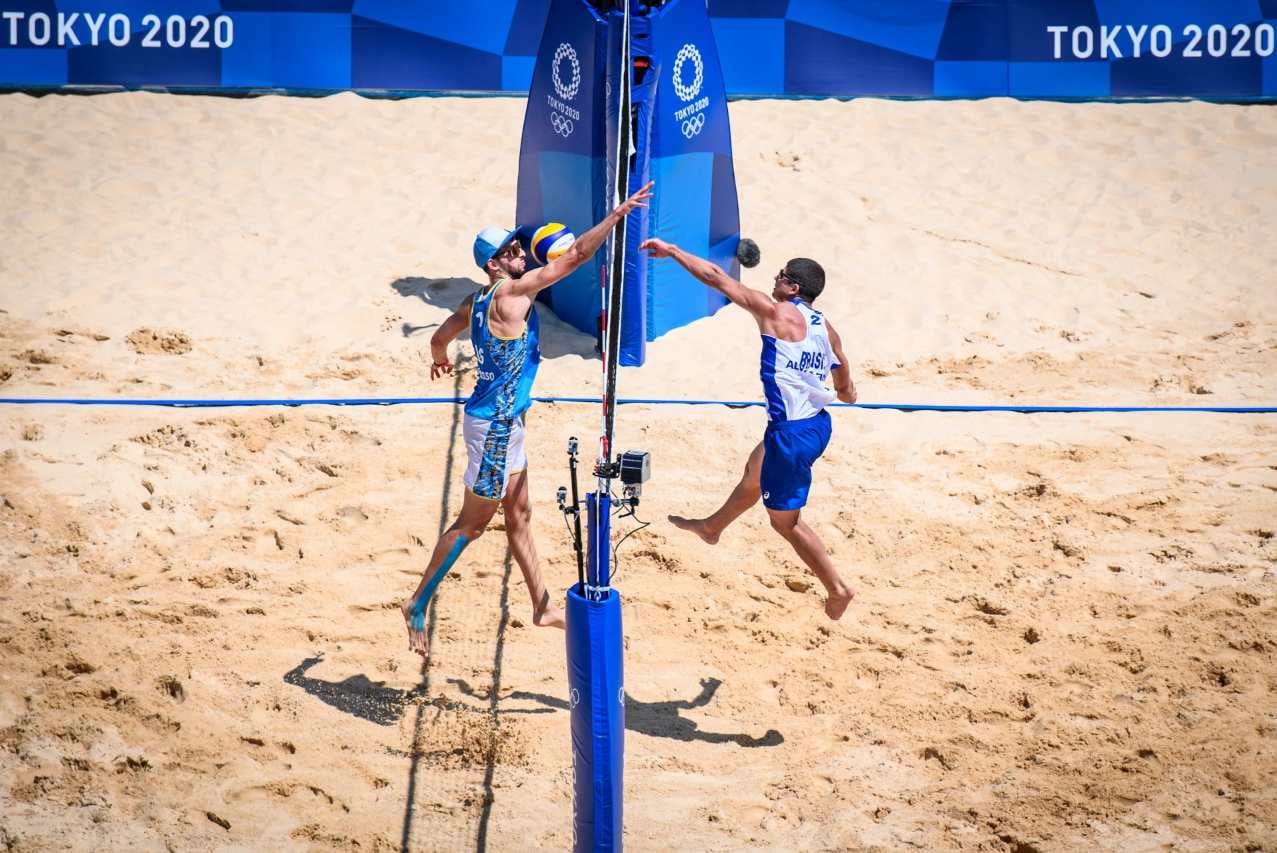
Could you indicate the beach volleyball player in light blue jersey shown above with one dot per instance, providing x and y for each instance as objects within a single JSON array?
[
  {"x": 801, "y": 352},
  {"x": 505, "y": 332}
]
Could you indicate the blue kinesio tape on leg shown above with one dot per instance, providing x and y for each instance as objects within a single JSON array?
[{"x": 419, "y": 606}]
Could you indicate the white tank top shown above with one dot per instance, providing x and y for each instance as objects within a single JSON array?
[{"x": 794, "y": 373}]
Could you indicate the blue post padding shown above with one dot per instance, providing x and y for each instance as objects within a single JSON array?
[
  {"x": 596, "y": 685},
  {"x": 598, "y": 551}
]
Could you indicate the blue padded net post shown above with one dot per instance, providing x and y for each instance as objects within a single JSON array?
[
  {"x": 596, "y": 685},
  {"x": 598, "y": 562}
]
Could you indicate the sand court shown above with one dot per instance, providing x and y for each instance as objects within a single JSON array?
[{"x": 1064, "y": 637}]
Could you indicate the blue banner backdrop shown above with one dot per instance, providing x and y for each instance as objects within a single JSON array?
[
  {"x": 1219, "y": 49},
  {"x": 684, "y": 144},
  {"x": 682, "y": 140},
  {"x": 562, "y": 159}
]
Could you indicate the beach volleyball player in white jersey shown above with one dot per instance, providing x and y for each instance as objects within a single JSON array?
[{"x": 801, "y": 352}]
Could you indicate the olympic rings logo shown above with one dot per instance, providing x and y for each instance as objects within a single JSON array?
[
  {"x": 694, "y": 125},
  {"x": 562, "y": 126},
  {"x": 566, "y": 91},
  {"x": 686, "y": 52}
]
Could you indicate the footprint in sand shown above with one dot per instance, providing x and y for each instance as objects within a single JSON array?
[
  {"x": 931, "y": 753},
  {"x": 989, "y": 608},
  {"x": 372, "y": 608},
  {"x": 1219, "y": 459},
  {"x": 146, "y": 341},
  {"x": 67, "y": 333},
  {"x": 785, "y": 159},
  {"x": 37, "y": 357},
  {"x": 352, "y": 513}
]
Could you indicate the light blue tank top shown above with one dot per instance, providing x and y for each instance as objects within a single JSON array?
[{"x": 507, "y": 366}]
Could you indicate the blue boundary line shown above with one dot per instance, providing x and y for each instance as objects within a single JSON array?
[{"x": 623, "y": 401}]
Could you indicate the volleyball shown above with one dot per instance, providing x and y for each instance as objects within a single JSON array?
[{"x": 550, "y": 241}]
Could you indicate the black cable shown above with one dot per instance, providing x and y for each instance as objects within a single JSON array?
[
  {"x": 568, "y": 525},
  {"x": 642, "y": 524}
]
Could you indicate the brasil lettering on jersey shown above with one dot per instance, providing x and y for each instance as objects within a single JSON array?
[{"x": 808, "y": 362}]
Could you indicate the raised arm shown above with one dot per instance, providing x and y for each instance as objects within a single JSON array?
[
  {"x": 531, "y": 283},
  {"x": 842, "y": 373},
  {"x": 712, "y": 275},
  {"x": 446, "y": 334}
]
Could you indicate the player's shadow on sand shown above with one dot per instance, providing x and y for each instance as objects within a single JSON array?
[
  {"x": 357, "y": 695},
  {"x": 655, "y": 719},
  {"x": 557, "y": 338},
  {"x": 370, "y": 700}
]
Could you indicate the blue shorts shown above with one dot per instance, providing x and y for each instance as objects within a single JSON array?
[{"x": 790, "y": 448}]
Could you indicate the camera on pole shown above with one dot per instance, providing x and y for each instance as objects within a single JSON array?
[{"x": 574, "y": 510}]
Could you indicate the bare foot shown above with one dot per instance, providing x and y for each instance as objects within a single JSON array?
[
  {"x": 549, "y": 617},
  {"x": 695, "y": 525},
  {"x": 837, "y": 602},
  {"x": 416, "y": 623}
]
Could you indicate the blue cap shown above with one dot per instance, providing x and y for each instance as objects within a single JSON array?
[{"x": 490, "y": 241}]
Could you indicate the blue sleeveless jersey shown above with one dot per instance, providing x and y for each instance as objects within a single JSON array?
[{"x": 507, "y": 366}]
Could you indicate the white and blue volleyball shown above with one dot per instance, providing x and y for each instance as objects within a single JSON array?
[{"x": 550, "y": 241}]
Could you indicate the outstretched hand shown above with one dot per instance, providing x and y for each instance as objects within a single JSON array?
[
  {"x": 639, "y": 199},
  {"x": 658, "y": 248}
]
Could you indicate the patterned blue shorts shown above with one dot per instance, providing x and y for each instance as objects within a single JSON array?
[{"x": 495, "y": 453}]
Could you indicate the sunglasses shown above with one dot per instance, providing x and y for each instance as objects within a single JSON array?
[
  {"x": 787, "y": 277},
  {"x": 513, "y": 250}
]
